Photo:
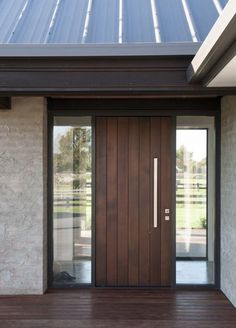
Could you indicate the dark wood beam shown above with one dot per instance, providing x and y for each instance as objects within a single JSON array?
[
  {"x": 128, "y": 105},
  {"x": 101, "y": 76}
]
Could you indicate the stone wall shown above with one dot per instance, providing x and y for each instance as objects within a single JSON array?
[
  {"x": 228, "y": 198},
  {"x": 23, "y": 135}
]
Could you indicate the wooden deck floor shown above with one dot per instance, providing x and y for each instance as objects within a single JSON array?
[{"x": 118, "y": 308}]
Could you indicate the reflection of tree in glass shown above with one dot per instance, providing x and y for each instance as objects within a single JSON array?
[
  {"x": 183, "y": 157},
  {"x": 74, "y": 154},
  {"x": 75, "y": 142}
]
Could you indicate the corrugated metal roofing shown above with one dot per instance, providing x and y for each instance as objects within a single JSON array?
[{"x": 107, "y": 21}]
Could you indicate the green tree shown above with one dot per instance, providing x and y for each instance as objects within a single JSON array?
[
  {"x": 185, "y": 161},
  {"x": 183, "y": 156},
  {"x": 74, "y": 151}
]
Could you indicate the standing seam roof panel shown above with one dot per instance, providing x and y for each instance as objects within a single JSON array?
[
  {"x": 35, "y": 22},
  {"x": 138, "y": 22},
  {"x": 204, "y": 14},
  {"x": 171, "y": 14},
  {"x": 104, "y": 22},
  {"x": 69, "y": 22},
  {"x": 63, "y": 21},
  {"x": 223, "y": 3},
  {"x": 10, "y": 11}
]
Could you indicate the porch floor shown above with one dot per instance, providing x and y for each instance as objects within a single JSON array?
[{"x": 119, "y": 308}]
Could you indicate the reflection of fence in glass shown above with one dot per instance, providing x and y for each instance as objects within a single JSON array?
[
  {"x": 77, "y": 204},
  {"x": 191, "y": 198},
  {"x": 72, "y": 205}
]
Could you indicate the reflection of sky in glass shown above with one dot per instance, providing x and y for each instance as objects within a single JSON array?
[
  {"x": 194, "y": 140},
  {"x": 58, "y": 132}
]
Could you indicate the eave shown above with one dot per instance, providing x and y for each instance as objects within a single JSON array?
[
  {"x": 123, "y": 76},
  {"x": 217, "y": 51}
]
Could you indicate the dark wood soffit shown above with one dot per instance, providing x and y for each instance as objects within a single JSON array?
[
  {"x": 117, "y": 76},
  {"x": 138, "y": 104},
  {"x": 5, "y": 103}
]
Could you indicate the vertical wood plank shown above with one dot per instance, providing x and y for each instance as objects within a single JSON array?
[
  {"x": 112, "y": 164},
  {"x": 166, "y": 186},
  {"x": 129, "y": 250},
  {"x": 155, "y": 237},
  {"x": 101, "y": 192},
  {"x": 133, "y": 201},
  {"x": 144, "y": 201},
  {"x": 123, "y": 200}
]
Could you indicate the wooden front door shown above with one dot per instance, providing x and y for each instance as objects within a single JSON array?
[{"x": 133, "y": 196}]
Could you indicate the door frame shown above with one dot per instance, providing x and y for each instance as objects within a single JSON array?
[{"x": 137, "y": 107}]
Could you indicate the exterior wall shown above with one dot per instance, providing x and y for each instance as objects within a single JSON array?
[
  {"x": 228, "y": 198},
  {"x": 23, "y": 201},
  {"x": 23, "y": 197}
]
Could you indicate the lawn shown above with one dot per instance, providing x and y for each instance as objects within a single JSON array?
[
  {"x": 191, "y": 208},
  {"x": 192, "y": 217}
]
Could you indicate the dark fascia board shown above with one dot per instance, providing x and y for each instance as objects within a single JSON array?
[
  {"x": 125, "y": 105},
  {"x": 5, "y": 103},
  {"x": 204, "y": 71},
  {"x": 99, "y": 50},
  {"x": 137, "y": 76}
]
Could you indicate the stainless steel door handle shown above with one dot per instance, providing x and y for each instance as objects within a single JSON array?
[{"x": 155, "y": 191}]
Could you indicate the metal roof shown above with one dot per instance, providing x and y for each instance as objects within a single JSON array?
[{"x": 106, "y": 21}]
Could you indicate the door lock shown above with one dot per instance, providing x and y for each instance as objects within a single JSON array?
[{"x": 167, "y": 217}]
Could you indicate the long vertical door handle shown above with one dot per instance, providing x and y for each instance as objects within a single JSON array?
[{"x": 155, "y": 191}]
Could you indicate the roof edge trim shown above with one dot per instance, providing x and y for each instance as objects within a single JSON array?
[
  {"x": 217, "y": 43},
  {"x": 99, "y": 50}
]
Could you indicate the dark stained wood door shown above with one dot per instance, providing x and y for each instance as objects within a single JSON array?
[{"x": 130, "y": 250}]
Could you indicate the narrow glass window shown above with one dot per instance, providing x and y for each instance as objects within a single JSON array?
[
  {"x": 194, "y": 202},
  {"x": 72, "y": 178}
]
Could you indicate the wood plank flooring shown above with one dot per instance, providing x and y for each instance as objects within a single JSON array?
[{"x": 119, "y": 308}]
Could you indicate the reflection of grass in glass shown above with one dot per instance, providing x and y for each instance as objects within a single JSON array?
[
  {"x": 191, "y": 181},
  {"x": 64, "y": 187},
  {"x": 73, "y": 206},
  {"x": 198, "y": 211},
  {"x": 71, "y": 209},
  {"x": 182, "y": 191},
  {"x": 81, "y": 204},
  {"x": 88, "y": 220},
  {"x": 197, "y": 214}
]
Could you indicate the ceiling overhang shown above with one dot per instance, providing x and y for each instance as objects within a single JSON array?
[{"x": 214, "y": 65}]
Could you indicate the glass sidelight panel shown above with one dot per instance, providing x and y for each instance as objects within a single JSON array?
[
  {"x": 195, "y": 201},
  {"x": 191, "y": 192},
  {"x": 72, "y": 207}
]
